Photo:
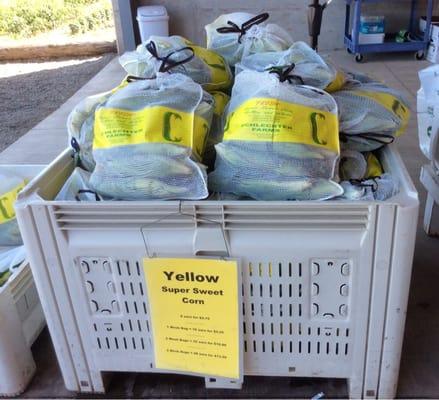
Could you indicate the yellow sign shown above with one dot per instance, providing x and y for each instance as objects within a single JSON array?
[
  {"x": 115, "y": 127},
  {"x": 194, "y": 305},
  {"x": 7, "y": 200},
  {"x": 272, "y": 120}
]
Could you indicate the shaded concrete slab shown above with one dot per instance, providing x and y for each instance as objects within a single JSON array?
[{"x": 49, "y": 137}]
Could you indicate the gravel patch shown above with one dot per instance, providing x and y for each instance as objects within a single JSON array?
[{"x": 30, "y": 91}]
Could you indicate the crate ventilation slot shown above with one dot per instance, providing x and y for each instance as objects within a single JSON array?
[
  {"x": 278, "y": 315},
  {"x": 230, "y": 217}
]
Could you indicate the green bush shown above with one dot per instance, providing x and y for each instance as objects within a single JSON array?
[
  {"x": 99, "y": 15},
  {"x": 24, "y": 18}
]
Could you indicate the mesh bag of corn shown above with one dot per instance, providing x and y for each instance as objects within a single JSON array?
[
  {"x": 363, "y": 177},
  {"x": 239, "y": 34},
  {"x": 216, "y": 129},
  {"x": 207, "y": 68},
  {"x": 76, "y": 187},
  {"x": 371, "y": 115},
  {"x": 10, "y": 260},
  {"x": 379, "y": 188},
  {"x": 80, "y": 128},
  {"x": 10, "y": 186},
  {"x": 280, "y": 140},
  {"x": 309, "y": 67},
  {"x": 148, "y": 140}
]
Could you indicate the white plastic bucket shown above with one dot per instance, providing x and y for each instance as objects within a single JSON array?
[{"x": 152, "y": 20}]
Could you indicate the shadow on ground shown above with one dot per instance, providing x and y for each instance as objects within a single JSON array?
[{"x": 29, "y": 98}]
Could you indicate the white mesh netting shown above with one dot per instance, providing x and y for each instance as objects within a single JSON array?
[
  {"x": 273, "y": 170},
  {"x": 258, "y": 38},
  {"x": 144, "y": 169},
  {"x": 309, "y": 66}
]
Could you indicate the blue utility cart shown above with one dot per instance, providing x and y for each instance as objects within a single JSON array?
[{"x": 418, "y": 43}]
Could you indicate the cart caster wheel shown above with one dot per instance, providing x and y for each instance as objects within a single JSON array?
[
  {"x": 359, "y": 58},
  {"x": 349, "y": 51},
  {"x": 420, "y": 55}
]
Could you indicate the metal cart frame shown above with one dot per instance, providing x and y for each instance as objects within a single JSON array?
[{"x": 351, "y": 40}]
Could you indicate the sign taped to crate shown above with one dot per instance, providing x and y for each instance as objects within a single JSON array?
[{"x": 195, "y": 315}]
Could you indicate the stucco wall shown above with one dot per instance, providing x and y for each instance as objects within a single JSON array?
[{"x": 188, "y": 17}]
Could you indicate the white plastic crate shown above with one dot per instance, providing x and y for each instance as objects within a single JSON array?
[
  {"x": 430, "y": 180},
  {"x": 325, "y": 284},
  {"x": 21, "y": 321}
]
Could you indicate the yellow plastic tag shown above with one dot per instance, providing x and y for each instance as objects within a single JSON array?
[
  {"x": 390, "y": 103},
  {"x": 374, "y": 167},
  {"x": 221, "y": 100},
  {"x": 337, "y": 83},
  {"x": 7, "y": 200},
  {"x": 220, "y": 73},
  {"x": 194, "y": 305},
  {"x": 271, "y": 120},
  {"x": 114, "y": 127}
]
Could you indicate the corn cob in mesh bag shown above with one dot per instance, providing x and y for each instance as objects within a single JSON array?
[
  {"x": 148, "y": 140},
  {"x": 353, "y": 165},
  {"x": 10, "y": 185},
  {"x": 309, "y": 67},
  {"x": 216, "y": 130},
  {"x": 371, "y": 115},
  {"x": 207, "y": 68},
  {"x": 239, "y": 34},
  {"x": 280, "y": 140}
]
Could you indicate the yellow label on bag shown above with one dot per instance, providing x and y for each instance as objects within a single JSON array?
[
  {"x": 390, "y": 103},
  {"x": 271, "y": 120},
  {"x": 195, "y": 306},
  {"x": 114, "y": 127},
  {"x": 337, "y": 83},
  {"x": 7, "y": 200},
  {"x": 220, "y": 72},
  {"x": 221, "y": 100},
  {"x": 374, "y": 167}
]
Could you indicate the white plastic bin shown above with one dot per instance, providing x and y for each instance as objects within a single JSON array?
[
  {"x": 152, "y": 20},
  {"x": 359, "y": 254},
  {"x": 21, "y": 320},
  {"x": 430, "y": 180}
]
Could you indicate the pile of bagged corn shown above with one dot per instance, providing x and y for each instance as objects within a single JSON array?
[{"x": 294, "y": 127}]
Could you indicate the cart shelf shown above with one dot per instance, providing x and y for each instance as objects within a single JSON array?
[{"x": 418, "y": 44}]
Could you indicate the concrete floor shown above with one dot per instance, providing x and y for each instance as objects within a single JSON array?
[
  {"x": 46, "y": 83},
  {"x": 420, "y": 359}
]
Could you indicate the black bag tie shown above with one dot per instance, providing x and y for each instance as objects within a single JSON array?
[
  {"x": 75, "y": 145},
  {"x": 234, "y": 28},
  {"x": 82, "y": 191},
  {"x": 167, "y": 62},
  {"x": 284, "y": 73},
  {"x": 132, "y": 78},
  {"x": 362, "y": 183}
]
